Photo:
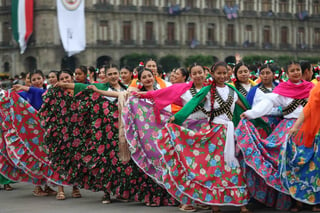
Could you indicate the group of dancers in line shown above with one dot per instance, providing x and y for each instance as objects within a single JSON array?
[{"x": 204, "y": 143}]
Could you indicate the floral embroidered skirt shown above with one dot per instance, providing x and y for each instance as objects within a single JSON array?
[
  {"x": 263, "y": 162},
  {"x": 194, "y": 167},
  {"x": 141, "y": 131},
  {"x": 83, "y": 140},
  {"x": 23, "y": 151},
  {"x": 301, "y": 170}
]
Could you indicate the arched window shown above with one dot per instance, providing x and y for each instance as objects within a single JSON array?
[{"x": 30, "y": 64}]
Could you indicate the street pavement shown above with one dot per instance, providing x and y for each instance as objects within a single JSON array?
[{"x": 21, "y": 200}]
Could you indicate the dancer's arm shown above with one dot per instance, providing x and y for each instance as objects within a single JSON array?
[
  {"x": 104, "y": 92},
  {"x": 65, "y": 85}
]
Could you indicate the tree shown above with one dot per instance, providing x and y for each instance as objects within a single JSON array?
[
  {"x": 204, "y": 60},
  {"x": 169, "y": 62},
  {"x": 133, "y": 60}
]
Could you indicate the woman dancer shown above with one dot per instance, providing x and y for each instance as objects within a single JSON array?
[
  {"x": 263, "y": 156},
  {"x": 195, "y": 161},
  {"x": 243, "y": 83}
]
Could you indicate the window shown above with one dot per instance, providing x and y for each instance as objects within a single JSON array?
[
  {"x": 191, "y": 32},
  {"x": 5, "y": 3},
  {"x": 127, "y": 31},
  {"x": 284, "y": 35},
  {"x": 301, "y": 36},
  {"x": 149, "y": 31},
  {"x": 211, "y": 32},
  {"x": 6, "y": 33},
  {"x": 301, "y": 5},
  {"x": 103, "y": 31},
  {"x": 103, "y": 2},
  {"x": 170, "y": 2},
  {"x": 126, "y": 2},
  {"x": 248, "y": 5},
  {"x": 230, "y": 3},
  {"x": 148, "y": 3},
  {"x": 190, "y": 3},
  {"x": 266, "y": 5},
  {"x": 230, "y": 33},
  {"x": 283, "y": 6},
  {"x": 211, "y": 4},
  {"x": 266, "y": 35},
  {"x": 317, "y": 36},
  {"x": 170, "y": 31},
  {"x": 316, "y": 7},
  {"x": 249, "y": 33}
]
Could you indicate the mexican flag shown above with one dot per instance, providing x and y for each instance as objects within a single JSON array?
[{"x": 22, "y": 22}]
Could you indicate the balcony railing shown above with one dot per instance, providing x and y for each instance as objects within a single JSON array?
[
  {"x": 171, "y": 42},
  {"x": 267, "y": 13},
  {"x": 285, "y": 15},
  {"x": 230, "y": 44},
  {"x": 127, "y": 42},
  {"x": 149, "y": 8},
  {"x": 104, "y": 42},
  {"x": 128, "y": 7},
  {"x": 285, "y": 46},
  {"x": 104, "y": 6},
  {"x": 212, "y": 11},
  {"x": 212, "y": 43},
  {"x": 302, "y": 46},
  {"x": 249, "y": 13},
  {"x": 5, "y": 43},
  {"x": 150, "y": 42},
  {"x": 267, "y": 45}
]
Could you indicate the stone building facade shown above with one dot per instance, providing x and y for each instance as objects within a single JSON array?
[{"x": 114, "y": 28}]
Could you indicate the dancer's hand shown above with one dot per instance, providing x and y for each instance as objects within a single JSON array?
[
  {"x": 293, "y": 131},
  {"x": 171, "y": 119},
  {"x": 243, "y": 116},
  {"x": 19, "y": 87},
  {"x": 93, "y": 87}
]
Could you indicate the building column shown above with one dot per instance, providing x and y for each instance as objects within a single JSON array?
[
  {"x": 118, "y": 27},
  {"x": 203, "y": 32},
  {"x": 275, "y": 6},
  {"x": 292, "y": 7}
]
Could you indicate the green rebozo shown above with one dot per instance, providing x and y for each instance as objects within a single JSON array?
[
  {"x": 184, "y": 113},
  {"x": 78, "y": 87}
]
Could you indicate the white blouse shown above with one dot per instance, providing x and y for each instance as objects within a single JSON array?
[{"x": 271, "y": 100}]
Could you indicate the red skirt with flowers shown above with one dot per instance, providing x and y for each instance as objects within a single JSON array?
[
  {"x": 22, "y": 145},
  {"x": 194, "y": 167}
]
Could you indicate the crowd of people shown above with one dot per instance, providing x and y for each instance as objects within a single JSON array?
[{"x": 226, "y": 135}]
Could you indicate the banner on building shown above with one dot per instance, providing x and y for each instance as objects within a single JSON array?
[
  {"x": 71, "y": 23},
  {"x": 22, "y": 22}
]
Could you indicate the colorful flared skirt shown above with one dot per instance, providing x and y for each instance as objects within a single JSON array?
[{"x": 194, "y": 167}]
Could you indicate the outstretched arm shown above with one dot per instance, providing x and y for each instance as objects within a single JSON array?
[
  {"x": 19, "y": 87},
  {"x": 103, "y": 92},
  {"x": 65, "y": 85}
]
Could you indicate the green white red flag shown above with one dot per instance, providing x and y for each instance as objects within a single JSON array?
[{"x": 22, "y": 22}]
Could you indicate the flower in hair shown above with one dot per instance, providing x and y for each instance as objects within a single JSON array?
[
  {"x": 139, "y": 85},
  {"x": 208, "y": 81}
]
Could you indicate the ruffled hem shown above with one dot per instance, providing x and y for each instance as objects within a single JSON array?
[
  {"x": 301, "y": 171},
  {"x": 255, "y": 153},
  {"x": 179, "y": 180},
  {"x": 24, "y": 139}
]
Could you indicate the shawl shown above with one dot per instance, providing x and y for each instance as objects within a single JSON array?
[
  {"x": 164, "y": 97},
  {"x": 295, "y": 91}
]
